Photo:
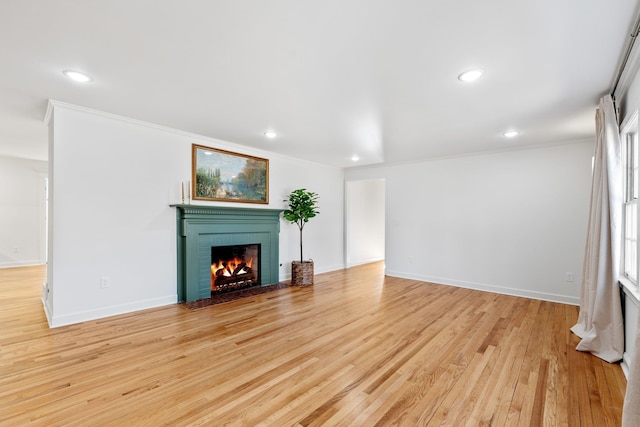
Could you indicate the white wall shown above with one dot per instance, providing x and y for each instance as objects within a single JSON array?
[
  {"x": 112, "y": 180},
  {"x": 630, "y": 330},
  {"x": 511, "y": 222},
  {"x": 365, "y": 219},
  {"x": 323, "y": 236},
  {"x": 22, "y": 212}
]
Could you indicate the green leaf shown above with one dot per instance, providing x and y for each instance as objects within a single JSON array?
[{"x": 302, "y": 206}]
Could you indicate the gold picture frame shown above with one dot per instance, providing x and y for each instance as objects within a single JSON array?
[{"x": 224, "y": 176}]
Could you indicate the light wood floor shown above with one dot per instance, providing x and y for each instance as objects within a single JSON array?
[{"x": 357, "y": 349}]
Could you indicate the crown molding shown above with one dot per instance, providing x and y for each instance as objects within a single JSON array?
[{"x": 218, "y": 143}]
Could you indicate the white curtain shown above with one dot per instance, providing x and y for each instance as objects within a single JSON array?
[{"x": 600, "y": 321}]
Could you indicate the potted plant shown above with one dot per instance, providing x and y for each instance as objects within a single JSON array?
[{"x": 301, "y": 207}]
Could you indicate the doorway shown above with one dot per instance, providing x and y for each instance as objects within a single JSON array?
[{"x": 365, "y": 221}]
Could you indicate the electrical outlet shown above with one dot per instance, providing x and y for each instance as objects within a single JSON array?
[
  {"x": 105, "y": 282},
  {"x": 568, "y": 277}
]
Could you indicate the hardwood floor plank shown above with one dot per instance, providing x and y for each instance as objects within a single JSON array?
[
  {"x": 538, "y": 414},
  {"x": 355, "y": 349}
]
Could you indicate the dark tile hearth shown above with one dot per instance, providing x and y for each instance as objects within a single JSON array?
[{"x": 233, "y": 295}]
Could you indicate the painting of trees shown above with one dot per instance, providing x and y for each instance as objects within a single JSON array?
[{"x": 227, "y": 176}]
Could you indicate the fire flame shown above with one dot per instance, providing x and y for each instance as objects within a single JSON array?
[{"x": 230, "y": 265}]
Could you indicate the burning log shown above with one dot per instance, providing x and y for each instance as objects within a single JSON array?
[
  {"x": 239, "y": 268},
  {"x": 235, "y": 281},
  {"x": 232, "y": 274}
]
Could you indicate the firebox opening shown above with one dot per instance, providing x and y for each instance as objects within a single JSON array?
[{"x": 234, "y": 267}]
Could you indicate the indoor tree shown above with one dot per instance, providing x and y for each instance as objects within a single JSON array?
[{"x": 302, "y": 206}]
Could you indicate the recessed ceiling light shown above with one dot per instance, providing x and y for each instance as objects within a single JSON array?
[
  {"x": 77, "y": 76},
  {"x": 270, "y": 134},
  {"x": 511, "y": 133},
  {"x": 355, "y": 158},
  {"x": 471, "y": 75}
]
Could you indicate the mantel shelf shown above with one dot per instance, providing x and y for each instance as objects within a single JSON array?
[{"x": 225, "y": 210}]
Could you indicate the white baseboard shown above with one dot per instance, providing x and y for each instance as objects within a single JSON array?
[
  {"x": 328, "y": 268},
  {"x": 363, "y": 262},
  {"x": 47, "y": 311},
  {"x": 24, "y": 263},
  {"x": 83, "y": 316},
  {"x": 565, "y": 299},
  {"x": 316, "y": 270},
  {"x": 625, "y": 365}
]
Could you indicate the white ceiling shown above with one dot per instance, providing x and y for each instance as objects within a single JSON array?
[{"x": 376, "y": 78}]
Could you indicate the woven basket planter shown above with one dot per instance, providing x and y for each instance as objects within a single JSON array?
[{"x": 302, "y": 273}]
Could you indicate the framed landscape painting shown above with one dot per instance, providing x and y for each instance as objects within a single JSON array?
[{"x": 229, "y": 177}]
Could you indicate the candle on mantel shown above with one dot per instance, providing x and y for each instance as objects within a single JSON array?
[
  {"x": 182, "y": 191},
  {"x": 189, "y": 191}
]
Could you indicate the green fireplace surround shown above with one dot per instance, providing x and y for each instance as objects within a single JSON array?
[{"x": 201, "y": 227}]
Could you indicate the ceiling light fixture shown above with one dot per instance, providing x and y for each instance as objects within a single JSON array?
[
  {"x": 355, "y": 158},
  {"x": 511, "y": 134},
  {"x": 77, "y": 76},
  {"x": 471, "y": 75},
  {"x": 270, "y": 134}
]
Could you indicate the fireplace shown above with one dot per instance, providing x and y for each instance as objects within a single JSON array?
[
  {"x": 234, "y": 267},
  {"x": 201, "y": 228}
]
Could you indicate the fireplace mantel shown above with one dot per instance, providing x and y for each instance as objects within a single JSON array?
[{"x": 200, "y": 227}]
